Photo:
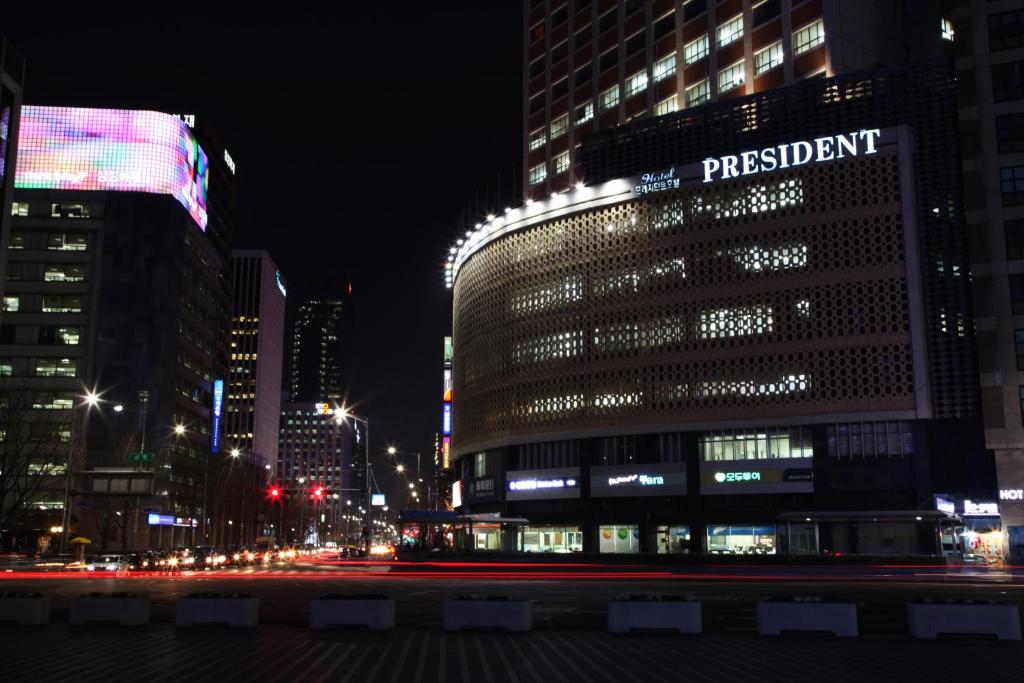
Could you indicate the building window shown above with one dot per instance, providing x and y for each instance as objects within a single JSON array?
[
  {"x": 66, "y": 241},
  {"x": 17, "y": 241},
  {"x": 561, "y": 163},
  {"x": 765, "y": 11},
  {"x": 636, "y": 42},
  {"x": 538, "y": 173},
  {"x": 609, "y": 98},
  {"x": 607, "y": 21},
  {"x": 1008, "y": 81},
  {"x": 584, "y": 113},
  {"x": 1010, "y": 133},
  {"x": 1005, "y": 30},
  {"x": 665, "y": 67},
  {"x": 731, "y": 77},
  {"x": 64, "y": 272},
  {"x": 559, "y": 126},
  {"x": 1018, "y": 342},
  {"x": 1011, "y": 183},
  {"x": 19, "y": 209},
  {"x": 559, "y": 90},
  {"x": 768, "y": 58},
  {"x": 537, "y": 139},
  {"x": 583, "y": 75},
  {"x": 1014, "y": 230},
  {"x": 636, "y": 83},
  {"x": 870, "y": 439},
  {"x": 756, "y": 444},
  {"x": 697, "y": 93},
  {"x": 69, "y": 211},
  {"x": 1017, "y": 294},
  {"x": 808, "y": 37},
  {"x": 608, "y": 60},
  {"x": 56, "y": 303},
  {"x": 480, "y": 465},
  {"x": 946, "y": 29},
  {"x": 730, "y": 31},
  {"x": 55, "y": 367},
  {"x": 665, "y": 25},
  {"x": 6, "y": 367},
  {"x": 667, "y": 106},
  {"x": 49, "y": 400},
  {"x": 537, "y": 67},
  {"x": 15, "y": 272},
  {"x": 696, "y": 50},
  {"x": 11, "y": 304},
  {"x": 50, "y": 334}
]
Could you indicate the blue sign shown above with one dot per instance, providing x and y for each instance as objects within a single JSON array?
[
  {"x": 218, "y": 405},
  {"x": 161, "y": 520},
  {"x": 446, "y": 422}
]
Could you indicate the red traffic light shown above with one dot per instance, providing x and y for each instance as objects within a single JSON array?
[{"x": 275, "y": 492}]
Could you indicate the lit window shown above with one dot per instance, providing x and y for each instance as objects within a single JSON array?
[
  {"x": 19, "y": 208},
  {"x": 69, "y": 211},
  {"x": 735, "y": 322},
  {"x": 537, "y": 139},
  {"x": 55, "y": 367},
  {"x": 65, "y": 241},
  {"x": 64, "y": 273},
  {"x": 11, "y": 304},
  {"x": 947, "y": 29},
  {"x": 609, "y": 98},
  {"x": 538, "y": 173},
  {"x": 584, "y": 113},
  {"x": 667, "y": 106},
  {"x": 808, "y": 37},
  {"x": 559, "y": 126},
  {"x": 731, "y": 76},
  {"x": 17, "y": 241},
  {"x": 730, "y": 31},
  {"x": 55, "y": 303},
  {"x": 696, "y": 50},
  {"x": 663, "y": 68},
  {"x": 6, "y": 367},
  {"x": 697, "y": 93},
  {"x": 561, "y": 163},
  {"x": 636, "y": 83},
  {"x": 768, "y": 58}
]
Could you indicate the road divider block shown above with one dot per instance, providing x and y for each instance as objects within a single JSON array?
[
  {"x": 126, "y": 609},
  {"x": 24, "y": 608},
  {"x": 806, "y": 614},
  {"x": 488, "y": 611},
  {"x": 234, "y": 609},
  {"x": 931, "y": 618},
  {"x": 629, "y": 612},
  {"x": 375, "y": 611}
]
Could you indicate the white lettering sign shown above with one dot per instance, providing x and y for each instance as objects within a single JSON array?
[
  {"x": 798, "y": 153},
  {"x": 972, "y": 508},
  {"x": 722, "y": 477},
  {"x": 1011, "y": 494},
  {"x": 537, "y": 484},
  {"x": 229, "y": 161},
  {"x": 657, "y": 182}
]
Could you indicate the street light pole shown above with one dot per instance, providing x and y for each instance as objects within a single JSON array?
[{"x": 91, "y": 399}]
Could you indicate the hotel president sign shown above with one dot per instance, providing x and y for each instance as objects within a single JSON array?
[{"x": 787, "y": 155}]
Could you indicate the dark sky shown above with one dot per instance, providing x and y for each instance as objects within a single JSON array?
[{"x": 360, "y": 139}]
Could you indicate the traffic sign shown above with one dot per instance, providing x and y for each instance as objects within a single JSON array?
[{"x": 140, "y": 457}]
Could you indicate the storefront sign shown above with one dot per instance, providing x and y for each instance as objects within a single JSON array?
[
  {"x": 658, "y": 182},
  {"x": 655, "y": 479},
  {"x": 784, "y": 475},
  {"x": 944, "y": 504},
  {"x": 377, "y": 500},
  {"x": 457, "y": 494},
  {"x": 798, "y": 153},
  {"x": 481, "y": 490},
  {"x": 973, "y": 508},
  {"x": 446, "y": 420},
  {"x": 540, "y": 484},
  {"x": 1011, "y": 494},
  {"x": 218, "y": 404},
  {"x": 448, "y": 351},
  {"x": 170, "y": 520}
]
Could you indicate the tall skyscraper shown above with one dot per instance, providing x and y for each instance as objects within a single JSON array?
[
  {"x": 12, "y": 75},
  {"x": 257, "y": 352},
  {"x": 989, "y": 43},
  {"x": 590, "y": 65},
  {"x": 118, "y": 280},
  {"x": 317, "y": 343}
]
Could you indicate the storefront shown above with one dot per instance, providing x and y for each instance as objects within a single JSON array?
[
  {"x": 613, "y": 538},
  {"x": 741, "y": 540},
  {"x": 552, "y": 539},
  {"x": 673, "y": 539},
  {"x": 983, "y": 538}
]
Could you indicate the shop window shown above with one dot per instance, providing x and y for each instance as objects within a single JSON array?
[
  {"x": 673, "y": 540},
  {"x": 1008, "y": 81},
  {"x": 761, "y": 444},
  {"x": 618, "y": 539},
  {"x": 617, "y": 450},
  {"x": 741, "y": 540},
  {"x": 1005, "y": 30},
  {"x": 552, "y": 539},
  {"x": 548, "y": 455}
]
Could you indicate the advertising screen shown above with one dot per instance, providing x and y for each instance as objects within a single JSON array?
[
  {"x": 457, "y": 494},
  {"x": 446, "y": 451},
  {"x": 71, "y": 148},
  {"x": 446, "y": 420},
  {"x": 377, "y": 500},
  {"x": 448, "y": 386},
  {"x": 448, "y": 351},
  {"x": 218, "y": 405},
  {"x": 5, "y": 127}
]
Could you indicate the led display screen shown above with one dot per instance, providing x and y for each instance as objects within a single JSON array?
[
  {"x": 448, "y": 351},
  {"x": 446, "y": 420},
  {"x": 377, "y": 500},
  {"x": 5, "y": 127},
  {"x": 71, "y": 148},
  {"x": 447, "y": 386},
  {"x": 218, "y": 405}
]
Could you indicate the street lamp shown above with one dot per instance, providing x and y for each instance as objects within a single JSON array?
[
  {"x": 342, "y": 414},
  {"x": 91, "y": 399},
  {"x": 400, "y": 468}
]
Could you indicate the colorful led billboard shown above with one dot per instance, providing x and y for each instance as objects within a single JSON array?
[{"x": 71, "y": 148}]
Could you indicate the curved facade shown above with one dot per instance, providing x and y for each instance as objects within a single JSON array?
[{"x": 779, "y": 298}]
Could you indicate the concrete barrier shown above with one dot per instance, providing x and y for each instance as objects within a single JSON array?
[
  {"x": 234, "y": 609},
  {"x": 932, "y": 618},
  {"x": 806, "y": 614},
  {"x": 126, "y": 609},
  {"x": 488, "y": 611},
  {"x": 376, "y": 612},
  {"x": 654, "y": 611},
  {"x": 24, "y": 608}
]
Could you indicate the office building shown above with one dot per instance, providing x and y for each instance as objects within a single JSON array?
[
  {"x": 12, "y": 77},
  {"x": 317, "y": 350},
  {"x": 749, "y": 332},
  {"x": 990, "y": 77},
  {"x": 118, "y": 280},
  {"x": 591, "y": 65}
]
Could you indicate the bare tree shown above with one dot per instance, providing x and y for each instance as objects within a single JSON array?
[{"x": 33, "y": 449}]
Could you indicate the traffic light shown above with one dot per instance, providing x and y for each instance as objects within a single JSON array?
[
  {"x": 275, "y": 492},
  {"x": 318, "y": 492}
]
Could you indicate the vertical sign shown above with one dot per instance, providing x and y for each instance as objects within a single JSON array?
[
  {"x": 446, "y": 451},
  {"x": 447, "y": 352},
  {"x": 446, "y": 421},
  {"x": 218, "y": 405},
  {"x": 447, "y": 385}
]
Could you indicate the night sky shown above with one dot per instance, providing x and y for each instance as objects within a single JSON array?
[{"x": 361, "y": 139}]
